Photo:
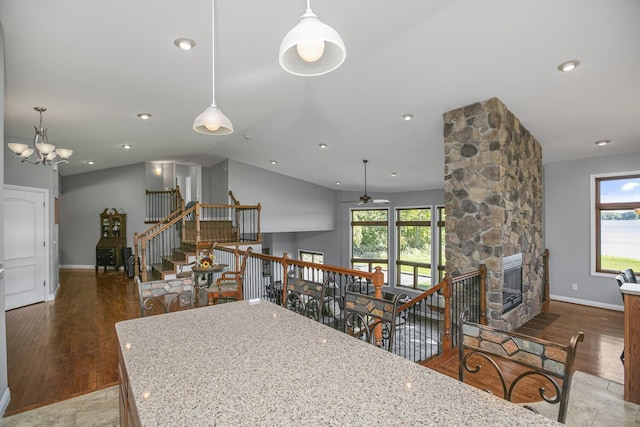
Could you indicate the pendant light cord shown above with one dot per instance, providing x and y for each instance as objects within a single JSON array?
[{"x": 213, "y": 52}]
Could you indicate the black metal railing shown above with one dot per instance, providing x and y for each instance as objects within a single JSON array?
[{"x": 424, "y": 322}]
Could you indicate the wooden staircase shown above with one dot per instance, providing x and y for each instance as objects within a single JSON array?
[{"x": 178, "y": 264}]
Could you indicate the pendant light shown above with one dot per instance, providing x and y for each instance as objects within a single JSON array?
[
  {"x": 311, "y": 48},
  {"x": 212, "y": 120}
]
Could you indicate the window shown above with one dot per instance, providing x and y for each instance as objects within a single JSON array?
[
  {"x": 617, "y": 222},
  {"x": 413, "y": 263},
  {"x": 369, "y": 240},
  {"x": 315, "y": 258}
]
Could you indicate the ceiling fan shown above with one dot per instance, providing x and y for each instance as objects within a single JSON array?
[{"x": 365, "y": 198}]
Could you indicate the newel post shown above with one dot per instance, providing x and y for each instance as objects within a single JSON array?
[
  {"x": 136, "y": 267},
  {"x": 378, "y": 283},
  {"x": 285, "y": 276},
  {"x": 446, "y": 293},
  {"x": 196, "y": 217}
]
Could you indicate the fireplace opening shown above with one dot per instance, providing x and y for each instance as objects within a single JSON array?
[{"x": 512, "y": 289}]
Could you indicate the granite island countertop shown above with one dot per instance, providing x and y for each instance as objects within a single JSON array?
[{"x": 260, "y": 364}]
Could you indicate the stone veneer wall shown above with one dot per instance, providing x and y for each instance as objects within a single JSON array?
[{"x": 493, "y": 203}]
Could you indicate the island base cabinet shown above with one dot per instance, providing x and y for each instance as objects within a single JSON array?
[{"x": 128, "y": 413}]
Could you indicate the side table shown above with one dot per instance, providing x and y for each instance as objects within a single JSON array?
[{"x": 208, "y": 272}]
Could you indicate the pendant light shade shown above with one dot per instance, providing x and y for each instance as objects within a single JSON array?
[
  {"x": 311, "y": 48},
  {"x": 212, "y": 120}
]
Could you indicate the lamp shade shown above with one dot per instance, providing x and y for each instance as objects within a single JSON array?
[
  {"x": 306, "y": 36},
  {"x": 212, "y": 121}
]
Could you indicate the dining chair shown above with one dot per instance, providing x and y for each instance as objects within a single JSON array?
[
  {"x": 305, "y": 297},
  {"x": 629, "y": 276},
  {"x": 229, "y": 284},
  {"x": 364, "y": 314}
]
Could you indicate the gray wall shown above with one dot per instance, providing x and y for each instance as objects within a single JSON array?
[
  {"x": 567, "y": 200},
  {"x": 85, "y": 196},
  {"x": 216, "y": 184},
  {"x": 288, "y": 204},
  {"x": 4, "y": 382}
]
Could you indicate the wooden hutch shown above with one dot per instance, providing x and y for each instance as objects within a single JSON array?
[{"x": 113, "y": 239}]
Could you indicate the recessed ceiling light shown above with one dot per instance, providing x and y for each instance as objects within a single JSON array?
[
  {"x": 322, "y": 145},
  {"x": 338, "y": 183},
  {"x": 127, "y": 146},
  {"x": 569, "y": 65},
  {"x": 274, "y": 162},
  {"x": 144, "y": 116},
  {"x": 247, "y": 136},
  {"x": 603, "y": 142},
  {"x": 407, "y": 117},
  {"x": 91, "y": 162},
  {"x": 393, "y": 174},
  {"x": 184, "y": 43}
]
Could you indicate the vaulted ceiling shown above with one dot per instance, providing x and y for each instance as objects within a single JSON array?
[{"x": 96, "y": 64}]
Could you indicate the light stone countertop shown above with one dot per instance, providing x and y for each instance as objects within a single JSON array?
[
  {"x": 263, "y": 365},
  {"x": 630, "y": 288}
]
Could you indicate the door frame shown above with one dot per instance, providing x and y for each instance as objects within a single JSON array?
[{"x": 48, "y": 295}]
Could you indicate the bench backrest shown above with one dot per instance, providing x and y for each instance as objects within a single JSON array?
[{"x": 542, "y": 359}]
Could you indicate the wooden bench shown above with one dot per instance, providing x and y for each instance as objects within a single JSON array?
[{"x": 548, "y": 366}]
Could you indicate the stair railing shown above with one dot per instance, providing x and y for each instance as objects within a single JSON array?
[{"x": 161, "y": 204}]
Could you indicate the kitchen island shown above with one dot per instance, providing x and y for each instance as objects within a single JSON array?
[{"x": 256, "y": 363}]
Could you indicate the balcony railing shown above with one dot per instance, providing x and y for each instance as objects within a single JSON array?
[{"x": 425, "y": 323}]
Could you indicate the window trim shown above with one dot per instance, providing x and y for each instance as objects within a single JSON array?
[
  {"x": 397, "y": 262},
  {"x": 594, "y": 231},
  {"x": 369, "y": 223}
]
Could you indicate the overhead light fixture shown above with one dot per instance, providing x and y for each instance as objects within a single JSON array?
[
  {"x": 569, "y": 65},
  {"x": 144, "y": 116},
  {"x": 212, "y": 120},
  {"x": 91, "y": 162},
  {"x": 311, "y": 48},
  {"x": 45, "y": 152},
  {"x": 393, "y": 174},
  {"x": 184, "y": 43},
  {"x": 323, "y": 146},
  {"x": 127, "y": 146},
  {"x": 603, "y": 142},
  {"x": 274, "y": 162},
  {"x": 407, "y": 117}
]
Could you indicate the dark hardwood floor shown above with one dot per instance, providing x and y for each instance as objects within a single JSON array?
[{"x": 67, "y": 347}]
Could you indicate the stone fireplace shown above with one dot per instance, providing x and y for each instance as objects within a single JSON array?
[{"x": 493, "y": 204}]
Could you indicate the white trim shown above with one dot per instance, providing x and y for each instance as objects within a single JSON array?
[
  {"x": 4, "y": 402},
  {"x": 587, "y": 303},
  {"x": 78, "y": 266}
]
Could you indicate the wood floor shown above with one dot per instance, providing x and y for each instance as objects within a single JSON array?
[{"x": 67, "y": 347}]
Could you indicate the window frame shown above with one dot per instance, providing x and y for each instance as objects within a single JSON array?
[
  {"x": 597, "y": 208},
  {"x": 368, "y": 261},
  {"x": 416, "y": 265}
]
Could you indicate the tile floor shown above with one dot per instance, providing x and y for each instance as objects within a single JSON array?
[{"x": 594, "y": 401}]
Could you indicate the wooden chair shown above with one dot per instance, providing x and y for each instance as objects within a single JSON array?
[
  {"x": 305, "y": 297},
  {"x": 169, "y": 295},
  {"x": 229, "y": 284},
  {"x": 629, "y": 276},
  {"x": 365, "y": 313},
  {"x": 544, "y": 363}
]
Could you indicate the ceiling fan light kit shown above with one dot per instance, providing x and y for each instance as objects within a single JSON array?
[{"x": 311, "y": 48}]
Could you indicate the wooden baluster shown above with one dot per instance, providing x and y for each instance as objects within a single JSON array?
[{"x": 446, "y": 292}]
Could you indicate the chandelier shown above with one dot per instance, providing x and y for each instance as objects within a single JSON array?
[{"x": 45, "y": 152}]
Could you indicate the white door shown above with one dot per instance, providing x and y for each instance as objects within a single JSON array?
[{"x": 24, "y": 246}]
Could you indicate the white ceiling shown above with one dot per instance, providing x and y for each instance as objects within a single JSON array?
[{"x": 96, "y": 64}]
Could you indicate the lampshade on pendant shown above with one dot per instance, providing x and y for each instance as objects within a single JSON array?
[
  {"x": 311, "y": 48},
  {"x": 212, "y": 120}
]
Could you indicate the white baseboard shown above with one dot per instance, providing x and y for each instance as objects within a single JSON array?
[
  {"x": 4, "y": 402},
  {"x": 78, "y": 267},
  {"x": 587, "y": 302}
]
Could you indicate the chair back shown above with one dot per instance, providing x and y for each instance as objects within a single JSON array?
[
  {"x": 621, "y": 280},
  {"x": 163, "y": 296},
  {"x": 371, "y": 319},
  {"x": 305, "y": 297},
  {"x": 629, "y": 276},
  {"x": 545, "y": 362},
  {"x": 230, "y": 284}
]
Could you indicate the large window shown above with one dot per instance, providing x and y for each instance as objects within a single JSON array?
[
  {"x": 370, "y": 239},
  {"x": 413, "y": 235},
  {"x": 315, "y": 258},
  {"x": 617, "y": 223}
]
